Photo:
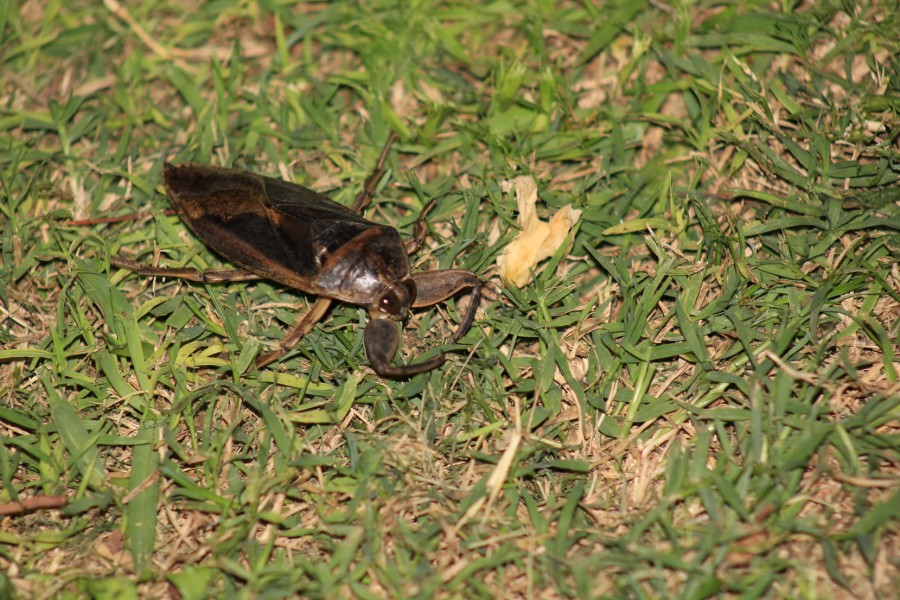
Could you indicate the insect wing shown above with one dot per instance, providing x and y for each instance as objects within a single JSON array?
[
  {"x": 273, "y": 228},
  {"x": 302, "y": 214}
]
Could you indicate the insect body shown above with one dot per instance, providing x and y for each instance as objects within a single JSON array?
[{"x": 276, "y": 230}]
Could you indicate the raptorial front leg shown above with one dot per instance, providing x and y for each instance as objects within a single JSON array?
[
  {"x": 435, "y": 286},
  {"x": 189, "y": 274},
  {"x": 382, "y": 341}
]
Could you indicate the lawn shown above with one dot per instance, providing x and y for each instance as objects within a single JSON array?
[{"x": 696, "y": 394}]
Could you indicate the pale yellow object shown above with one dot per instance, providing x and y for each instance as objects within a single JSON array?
[{"x": 538, "y": 239}]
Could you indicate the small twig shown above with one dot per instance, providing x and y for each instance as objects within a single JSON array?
[{"x": 32, "y": 504}]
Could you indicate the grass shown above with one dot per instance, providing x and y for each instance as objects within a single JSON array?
[{"x": 698, "y": 399}]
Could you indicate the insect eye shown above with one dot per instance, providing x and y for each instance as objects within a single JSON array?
[{"x": 390, "y": 303}]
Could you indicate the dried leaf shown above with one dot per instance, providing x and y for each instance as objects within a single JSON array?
[{"x": 538, "y": 239}]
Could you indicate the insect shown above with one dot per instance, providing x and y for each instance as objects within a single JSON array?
[{"x": 276, "y": 230}]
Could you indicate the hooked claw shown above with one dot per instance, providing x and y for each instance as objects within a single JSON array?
[{"x": 382, "y": 338}]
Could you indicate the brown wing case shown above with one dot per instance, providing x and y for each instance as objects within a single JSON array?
[{"x": 276, "y": 229}]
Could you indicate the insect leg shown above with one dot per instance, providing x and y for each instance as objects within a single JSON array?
[
  {"x": 419, "y": 229},
  {"x": 365, "y": 196},
  {"x": 382, "y": 338},
  {"x": 434, "y": 286},
  {"x": 211, "y": 276},
  {"x": 293, "y": 337}
]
